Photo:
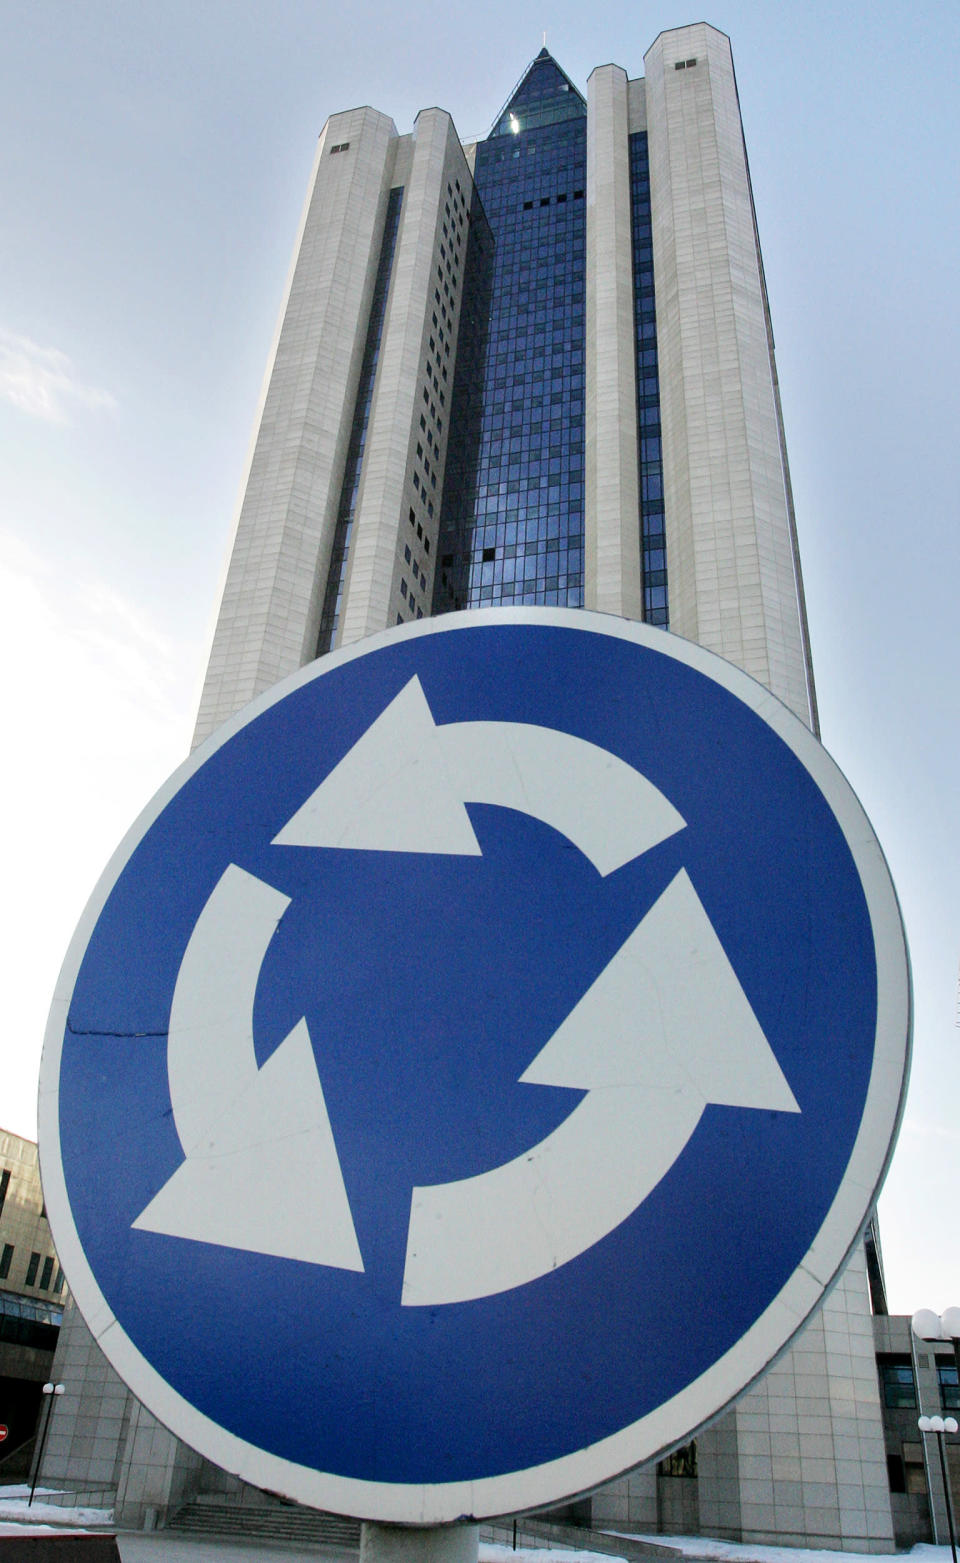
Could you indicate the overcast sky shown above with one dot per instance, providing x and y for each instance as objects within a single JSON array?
[{"x": 153, "y": 162}]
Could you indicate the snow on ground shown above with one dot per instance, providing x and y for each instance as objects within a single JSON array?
[
  {"x": 747, "y": 1552},
  {"x": 16, "y": 1513},
  {"x": 493, "y": 1552},
  {"x": 18, "y": 1518}
]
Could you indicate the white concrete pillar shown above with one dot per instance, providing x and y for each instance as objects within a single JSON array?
[
  {"x": 731, "y": 556},
  {"x": 612, "y": 575},
  {"x": 404, "y": 459},
  {"x": 272, "y": 596}
]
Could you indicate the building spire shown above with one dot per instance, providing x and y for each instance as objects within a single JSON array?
[{"x": 543, "y": 95}]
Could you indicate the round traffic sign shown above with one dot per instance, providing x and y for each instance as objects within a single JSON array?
[{"x": 454, "y": 1024}]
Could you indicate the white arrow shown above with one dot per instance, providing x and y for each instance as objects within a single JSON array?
[
  {"x": 404, "y": 784},
  {"x": 665, "y": 1029},
  {"x": 261, "y": 1169}
]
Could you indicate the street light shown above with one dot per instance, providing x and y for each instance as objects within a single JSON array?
[
  {"x": 49, "y": 1391},
  {"x": 945, "y": 1326},
  {"x": 939, "y": 1326},
  {"x": 941, "y": 1425}
]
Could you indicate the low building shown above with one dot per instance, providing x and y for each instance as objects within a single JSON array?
[
  {"x": 917, "y": 1378},
  {"x": 32, "y": 1297}
]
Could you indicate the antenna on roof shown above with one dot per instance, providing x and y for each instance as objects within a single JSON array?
[{"x": 544, "y": 37}]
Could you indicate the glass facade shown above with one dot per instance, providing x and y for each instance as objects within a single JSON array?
[
  {"x": 337, "y": 572},
  {"x": 652, "y": 539},
  {"x": 511, "y": 524},
  {"x": 28, "y": 1321}
]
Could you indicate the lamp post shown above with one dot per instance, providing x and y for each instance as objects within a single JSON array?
[
  {"x": 941, "y": 1425},
  {"x": 930, "y": 1326},
  {"x": 49, "y": 1391}
]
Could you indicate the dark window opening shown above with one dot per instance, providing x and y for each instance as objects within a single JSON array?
[
  {"x": 896, "y": 1383},
  {"x": 914, "y": 1477},
  {"x": 683, "y": 1461},
  {"x": 949, "y": 1387}
]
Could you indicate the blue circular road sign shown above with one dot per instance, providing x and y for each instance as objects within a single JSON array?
[{"x": 475, "y": 1065}]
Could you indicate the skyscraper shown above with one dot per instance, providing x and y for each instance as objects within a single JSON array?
[
  {"x": 536, "y": 369},
  {"x": 539, "y": 369}
]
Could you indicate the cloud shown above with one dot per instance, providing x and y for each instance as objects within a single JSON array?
[
  {"x": 926, "y": 1129},
  {"x": 42, "y": 381},
  {"x": 98, "y": 707}
]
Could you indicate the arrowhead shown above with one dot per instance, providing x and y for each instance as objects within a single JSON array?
[
  {"x": 389, "y": 793},
  {"x": 667, "y": 1012},
  {"x": 267, "y": 1179}
]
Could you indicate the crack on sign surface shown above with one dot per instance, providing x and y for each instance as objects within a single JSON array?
[{"x": 101, "y": 1031}]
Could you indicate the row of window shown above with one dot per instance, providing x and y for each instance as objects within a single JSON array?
[
  {"x": 503, "y": 563},
  {"x": 337, "y": 574},
  {"x": 540, "y": 594},
  {"x": 537, "y": 464},
  {"x": 546, "y": 199},
  {"x": 429, "y": 451},
  {"x": 411, "y": 601},
  {"x": 652, "y": 556},
  {"x": 29, "y": 1321},
  {"x": 899, "y": 1388},
  {"x": 33, "y": 1266}
]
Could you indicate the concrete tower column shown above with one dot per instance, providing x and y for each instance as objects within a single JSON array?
[
  {"x": 272, "y": 597},
  {"x": 404, "y": 460},
  {"x": 731, "y": 554},
  {"x": 612, "y": 578}
]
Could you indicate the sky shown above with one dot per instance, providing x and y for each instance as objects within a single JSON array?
[{"x": 153, "y": 163}]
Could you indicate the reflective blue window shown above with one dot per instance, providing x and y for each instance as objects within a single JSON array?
[
  {"x": 511, "y": 523},
  {"x": 653, "y": 557}
]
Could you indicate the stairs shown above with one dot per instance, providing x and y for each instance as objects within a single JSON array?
[
  {"x": 293, "y": 1525},
  {"x": 283, "y": 1522}
]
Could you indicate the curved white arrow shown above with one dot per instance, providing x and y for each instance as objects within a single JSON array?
[
  {"x": 404, "y": 785},
  {"x": 665, "y": 1029},
  {"x": 261, "y": 1169}
]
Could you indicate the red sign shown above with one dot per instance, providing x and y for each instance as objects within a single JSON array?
[{"x": 4, "y": 1432}]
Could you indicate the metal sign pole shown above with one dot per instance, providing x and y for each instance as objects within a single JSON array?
[{"x": 419, "y": 1543}]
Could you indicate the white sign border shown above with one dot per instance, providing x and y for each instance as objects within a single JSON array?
[{"x": 727, "y": 1378}]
